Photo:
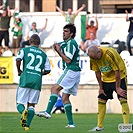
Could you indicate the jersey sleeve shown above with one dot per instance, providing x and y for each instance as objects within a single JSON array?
[
  {"x": 20, "y": 55},
  {"x": 93, "y": 65},
  {"x": 47, "y": 66},
  {"x": 114, "y": 61},
  {"x": 70, "y": 50}
]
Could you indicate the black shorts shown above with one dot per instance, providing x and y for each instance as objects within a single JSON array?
[
  {"x": 109, "y": 88},
  {"x": 4, "y": 35}
]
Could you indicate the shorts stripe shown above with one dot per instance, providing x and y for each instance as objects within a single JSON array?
[
  {"x": 62, "y": 76},
  {"x": 69, "y": 81}
]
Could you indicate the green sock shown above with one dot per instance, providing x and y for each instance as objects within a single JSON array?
[
  {"x": 51, "y": 103},
  {"x": 30, "y": 116},
  {"x": 20, "y": 108},
  {"x": 68, "y": 109}
]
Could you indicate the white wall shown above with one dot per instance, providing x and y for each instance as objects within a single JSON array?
[
  {"x": 111, "y": 26},
  {"x": 85, "y": 101}
]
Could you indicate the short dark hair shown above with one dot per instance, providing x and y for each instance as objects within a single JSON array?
[
  {"x": 35, "y": 39},
  {"x": 91, "y": 21},
  {"x": 34, "y": 23},
  {"x": 72, "y": 29}
]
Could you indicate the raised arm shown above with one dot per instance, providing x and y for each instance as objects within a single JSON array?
[
  {"x": 13, "y": 14},
  {"x": 44, "y": 27},
  {"x": 9, "y": 11},
  {"x": 87, "y": 20},
  {"x": 127, "y": 18},
  {"x": 84, "y": 46},
  {"x": 96, "y": 21},
  {"x": 61, "y": 11},
  {"x": 80, "y": 9}
]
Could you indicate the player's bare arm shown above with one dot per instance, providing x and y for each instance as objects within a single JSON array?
[
  {"x": 18, "y": 64},
  {"x": 98, "y": 76},
  {"x": 45, "y": 72},
  {"x": 119, "y": 90}
]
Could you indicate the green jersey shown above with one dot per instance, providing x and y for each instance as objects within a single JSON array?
[
  {"x": 17, "y": 32},
  {"x": 34, "y": 62},
  {"x": 20, "y": 24},
  {"x": 71, "y": 50}
]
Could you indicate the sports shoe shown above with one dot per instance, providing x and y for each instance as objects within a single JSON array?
[
  {"x": 43, "y": 114},
  {"x": 96, "y": 129},
  {"x": 24, "y": 118},
  {"x": 70, "y": 126},
  {"x": 26, "y": 128}
]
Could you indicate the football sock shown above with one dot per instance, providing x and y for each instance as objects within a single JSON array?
[
  {"x": 125, "y": 111},
  {"x": 101, "y": 112},
  {"x": 51, "y": 103},
  {"x": 30, "y": 116},
  {"x": 20, "y": 108},
  {"x": 68, "y": 109}
]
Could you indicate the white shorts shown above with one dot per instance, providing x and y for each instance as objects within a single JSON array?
[
  {"x": 27, "y": 95},
  {"x": 69, "y": 80}
]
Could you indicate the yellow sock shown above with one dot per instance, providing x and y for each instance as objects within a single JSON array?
[
  {"x": 101, "y": 112},
  {"x": 125, "y": 111}
]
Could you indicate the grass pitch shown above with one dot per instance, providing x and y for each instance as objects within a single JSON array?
[{"x": 10, "y": 123}]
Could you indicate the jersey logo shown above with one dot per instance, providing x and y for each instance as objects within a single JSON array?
[{"x": 105, "y": 68}]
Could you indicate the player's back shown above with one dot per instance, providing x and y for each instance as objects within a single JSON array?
[{"x": 33, "y": 64}]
